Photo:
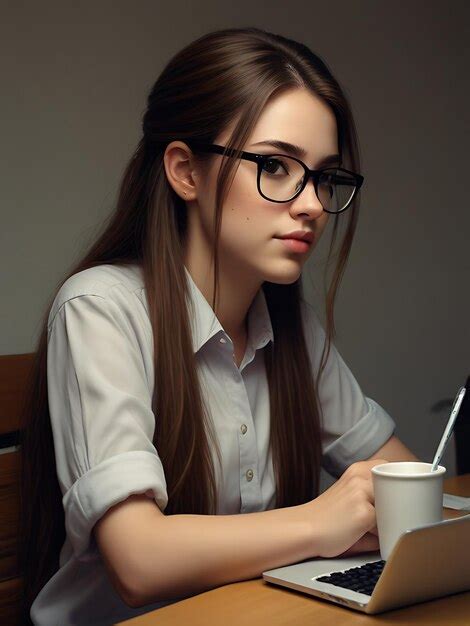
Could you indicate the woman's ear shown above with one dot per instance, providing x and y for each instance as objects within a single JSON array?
[{"x": 178, "y": 161}]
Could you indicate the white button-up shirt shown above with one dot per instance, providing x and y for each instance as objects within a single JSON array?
[{"x": 100, "y": 384}]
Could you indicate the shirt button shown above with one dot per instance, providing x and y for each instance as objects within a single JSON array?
[
  {"x": 249, "y": 475},
  {"x": 243, "y": 428},
  {"x": 222, "y": 340}
]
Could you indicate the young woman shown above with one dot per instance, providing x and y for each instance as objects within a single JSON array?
[{"x": 185, "y": 395}]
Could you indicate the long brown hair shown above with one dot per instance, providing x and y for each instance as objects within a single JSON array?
[{"x": 223, "y": 76}]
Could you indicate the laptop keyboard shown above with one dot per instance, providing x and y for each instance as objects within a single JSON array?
[{"x": 362, "y": 578}]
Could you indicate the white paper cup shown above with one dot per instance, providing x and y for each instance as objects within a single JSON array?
[{"x": 407, "y": 494}]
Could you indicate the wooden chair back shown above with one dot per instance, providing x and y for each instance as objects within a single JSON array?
[{"x": 14, "y": 372}]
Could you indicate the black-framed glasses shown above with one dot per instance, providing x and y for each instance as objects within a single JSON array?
[{"x": 281, "y": 178}]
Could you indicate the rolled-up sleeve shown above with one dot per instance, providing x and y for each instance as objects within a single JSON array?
[
  {"x": 354, "y": 426},
  {"x": 101, "y": 415}
]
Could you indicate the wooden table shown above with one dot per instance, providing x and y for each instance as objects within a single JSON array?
[{"x": 256, "y": 602}]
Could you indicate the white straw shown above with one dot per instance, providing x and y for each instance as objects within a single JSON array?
[{"x": 448, "y": 431}]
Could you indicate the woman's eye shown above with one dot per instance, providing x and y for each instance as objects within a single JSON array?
[{"x": 271, "y": 166}]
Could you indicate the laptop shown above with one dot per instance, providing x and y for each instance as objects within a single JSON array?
[{"x": 427, "y": 562}]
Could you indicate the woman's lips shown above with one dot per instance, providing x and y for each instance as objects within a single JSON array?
[{"x": 296, "y": 245}]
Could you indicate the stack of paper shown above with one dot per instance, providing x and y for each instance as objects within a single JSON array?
[{"x": 456, "y": 502}]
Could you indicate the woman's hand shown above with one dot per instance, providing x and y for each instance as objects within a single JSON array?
[
  {"x": 343, "y": 517},
  {"x": 367, "y": 543}
]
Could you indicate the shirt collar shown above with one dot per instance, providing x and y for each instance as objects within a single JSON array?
[{"x": 205, "y": 324}]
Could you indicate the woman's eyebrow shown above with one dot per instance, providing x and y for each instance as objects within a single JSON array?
[{"x": 292, "y": 148}]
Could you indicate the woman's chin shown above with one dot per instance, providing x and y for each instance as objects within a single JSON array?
[{"x": 285, "y": 275}]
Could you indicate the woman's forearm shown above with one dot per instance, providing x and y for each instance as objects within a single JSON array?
[{"x": 195, "y": 553}]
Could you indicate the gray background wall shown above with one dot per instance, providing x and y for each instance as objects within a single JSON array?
[{"x": 75, "y": 80}]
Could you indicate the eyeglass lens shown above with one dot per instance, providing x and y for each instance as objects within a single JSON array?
[{"x": 281, "y": 177}]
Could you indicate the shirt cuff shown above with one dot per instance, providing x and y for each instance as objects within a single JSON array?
[
  {"x": 361, "y": 441},
  {"x": 103, "y": 486}
]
